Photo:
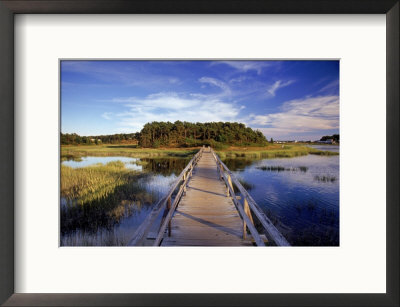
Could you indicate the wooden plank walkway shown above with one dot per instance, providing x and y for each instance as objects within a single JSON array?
[{"x": 205, "y": 216}]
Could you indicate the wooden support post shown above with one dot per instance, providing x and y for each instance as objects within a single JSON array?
[
  {"x": 230, "y": 185},
  {"x": 248, "y": 213},
  {"x": 169, "y": 223},
  {"x": 247, "y": 210},
  {"x": 230, "y": 182}
]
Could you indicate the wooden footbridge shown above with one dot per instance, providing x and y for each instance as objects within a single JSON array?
[{"x": 207, "y": 206}]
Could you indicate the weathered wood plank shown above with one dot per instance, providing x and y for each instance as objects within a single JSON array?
[
  {"x": 186, "y": 242},
  {"x": 205, "y": 216},
  {"x": 141, "y": 233}
]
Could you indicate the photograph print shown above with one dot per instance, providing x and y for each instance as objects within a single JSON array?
[{"x": 199, "y": 153}]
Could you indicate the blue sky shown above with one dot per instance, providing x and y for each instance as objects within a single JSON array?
[{"x": 286, "y": 100}]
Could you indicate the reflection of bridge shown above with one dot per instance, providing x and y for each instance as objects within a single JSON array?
[{"x": 202, "y": 209}]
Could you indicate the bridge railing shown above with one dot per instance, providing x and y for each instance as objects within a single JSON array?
[
  {"x": 165, "y": 204},
  {"x": 248, "y": 207}
]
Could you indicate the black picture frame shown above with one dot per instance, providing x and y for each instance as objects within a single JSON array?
[{"x": 8, "y": 8}]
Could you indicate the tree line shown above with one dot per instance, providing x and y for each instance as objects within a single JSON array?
[
  {"x": 335, "y": 137},
  {"x": 75, "y": 139},
  {"x": 182, "y": 134},
  {"x": 179, "y": 134}
]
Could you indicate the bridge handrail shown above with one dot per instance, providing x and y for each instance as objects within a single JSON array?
[
  {"x": 245, "y": 217},
  {"x": 144, "y": 228},
  {"x": 269, "y": 227}
]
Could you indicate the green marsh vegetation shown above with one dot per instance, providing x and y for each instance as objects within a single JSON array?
[
  {"x": 103, "y": 237},
  {"x": 96, "y": 198},
  {"x": 282, "y": 168},
  {"x": 271, "y": 151},
  {"x": 72, "y": 152},
  {"x": 99, "y": 196},
  {"x": 325, "y": 178},
  {"x": 313, "y": 234},
  {"x": 183, "y": 139}
]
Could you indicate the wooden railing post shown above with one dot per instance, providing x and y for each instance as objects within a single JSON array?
[
  {"x": 141, "y": 232},
  {"x": 247, "y": 210},
  {"x": 230, "y": 185},
  {"x": 169, "y": 223},
  {"x": 248, "y": 213}
]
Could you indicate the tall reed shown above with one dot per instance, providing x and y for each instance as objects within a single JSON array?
[{"x": 97, "y": 196}]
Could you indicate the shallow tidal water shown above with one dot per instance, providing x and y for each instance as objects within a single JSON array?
[{"x": 300, "y": 195}]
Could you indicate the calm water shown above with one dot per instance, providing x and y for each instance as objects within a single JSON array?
[
  {"x": 300, "y": 195},
  {"x": 302, "y": 200},
  {"x": 159, "y": 174},
  {"x": 87, "y": 161},
  {"x": 334, "y": 148}
]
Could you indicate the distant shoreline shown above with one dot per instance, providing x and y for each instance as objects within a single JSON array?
[{"x": 71, "y": 152}]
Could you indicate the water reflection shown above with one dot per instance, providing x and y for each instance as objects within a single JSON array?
[
  {"x": 334, "y": 148},
  {"x": 113, "y": 220},
  {"x": 131, "y": 163},
  {"x": 292, "y": 191},
  {"x": 305, "y": 209},
  {"x": 164, "y": 166}
]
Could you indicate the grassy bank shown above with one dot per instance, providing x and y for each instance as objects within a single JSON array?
[
  {"x": 272, "y": 151},
  {"x": 99, "y": 196},
  {"x": 76, "y": 151}
]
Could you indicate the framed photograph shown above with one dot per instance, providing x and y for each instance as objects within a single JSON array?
[
  {"x": 199, "y": 154},
  {"x": 191, "y": 136}
]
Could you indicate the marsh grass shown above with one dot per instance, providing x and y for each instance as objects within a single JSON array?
[
  {"x": 71, "y": 156},
  {"x": 272, "y": 168},
  {"x": 270, "y": 152},
  {"x": 99, "y": 196},
  {"x": 303, "y": 169},
  {"x": 321, "y": 232},
  {"x": 283, "y": 169},
  {"x": 325, "y": 178},
  {"x": 324, "y": 153},
  {"x": 139, "y": 162},
  {"x": 103, "y": 237},
  {"x": 72, "y": 151}
]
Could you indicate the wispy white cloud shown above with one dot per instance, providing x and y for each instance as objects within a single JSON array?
[
  {"x": 173, "y": 106},
  {"x": 238, "y": 79},
  {"x": 245, "y": 66},
  {"x": 332, "y": 86},
  {"x": 218, "y": 83},
  {"x": 163, "y": 100},
  {"x": 277, "y": 85},
  {"x": 106, "y": 115},
  {"x": 118, "y": 73},
  {"x": 174, "y": 80},
  {"x": 300, "y": 116}
]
